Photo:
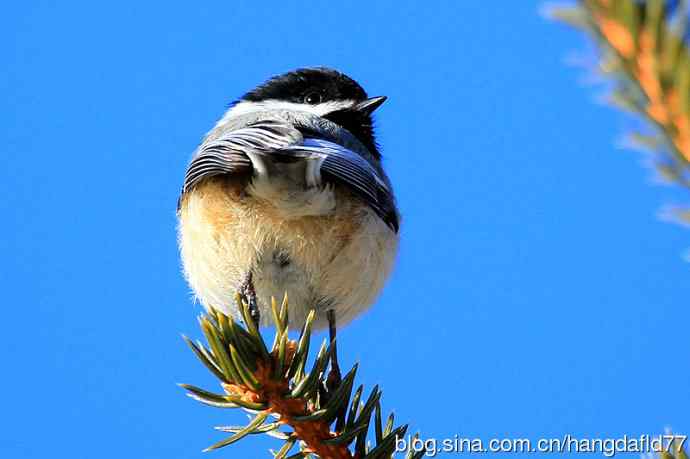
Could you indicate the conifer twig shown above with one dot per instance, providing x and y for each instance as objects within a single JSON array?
[
  {"x": 644, "y": 52},
  {"x": 277, "y": 388}
]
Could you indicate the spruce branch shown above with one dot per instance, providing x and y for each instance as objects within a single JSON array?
[
  {"x": 289, "y": 401},
  {"x": 675, "y": 450},
  {"x": 644, "y": 52}
]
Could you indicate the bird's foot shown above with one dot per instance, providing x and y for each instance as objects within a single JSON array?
[
  {"x": 334, "y": 378},
  {"x": 248, "y": 295}
]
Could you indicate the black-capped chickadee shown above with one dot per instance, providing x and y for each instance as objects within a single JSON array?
[{"x": 288, "y": 188}]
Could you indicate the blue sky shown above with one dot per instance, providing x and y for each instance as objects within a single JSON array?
[{"x": 536, "y": 292}]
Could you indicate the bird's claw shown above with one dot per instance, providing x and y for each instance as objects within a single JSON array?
[{"x": 248, "y": 295}]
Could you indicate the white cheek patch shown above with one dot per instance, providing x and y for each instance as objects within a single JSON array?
[{"x": 246, "y": 107}]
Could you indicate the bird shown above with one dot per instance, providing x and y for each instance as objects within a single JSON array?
[{"x": 287, "y": 192}]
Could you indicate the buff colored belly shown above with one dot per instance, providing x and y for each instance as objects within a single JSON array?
[{"x": 339, "y": 260}]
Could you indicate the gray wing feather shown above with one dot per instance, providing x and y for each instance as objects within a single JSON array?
[
  {"x": 345, "y": 167},
  {"x": 228, "y": 154}
]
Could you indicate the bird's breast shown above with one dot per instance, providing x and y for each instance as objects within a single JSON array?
[{"x": 316, "y": 245}]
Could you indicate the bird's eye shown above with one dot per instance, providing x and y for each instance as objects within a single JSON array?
[{"x": 312, "y": 98}]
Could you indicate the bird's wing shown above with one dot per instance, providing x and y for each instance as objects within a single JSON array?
[
  {"x": 229, "y": 154},
  {"x": 342, "y": 166},
  {"x": 233, "y": 153}
]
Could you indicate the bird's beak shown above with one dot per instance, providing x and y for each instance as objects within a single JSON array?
[{"x": 369, "y": 105}]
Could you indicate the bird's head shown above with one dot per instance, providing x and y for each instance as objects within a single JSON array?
[{"x": 321, "y": 91}]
